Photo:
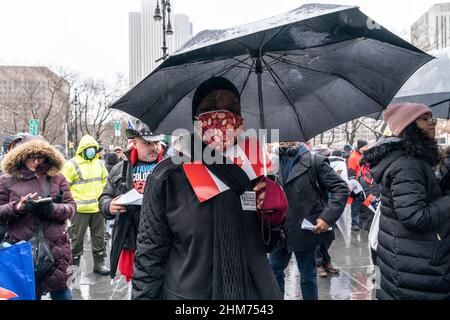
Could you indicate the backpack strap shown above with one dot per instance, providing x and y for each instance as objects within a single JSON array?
[
  {"x": 124, "y": 170},
  {"x": 314, "y": 177}
]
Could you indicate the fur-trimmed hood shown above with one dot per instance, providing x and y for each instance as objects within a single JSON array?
[
  {"x": 14, "y": 161},
  {"x": 382, "y": 155}
]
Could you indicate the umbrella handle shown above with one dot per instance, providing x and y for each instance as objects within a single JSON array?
[{"x": 264, "y": 155}]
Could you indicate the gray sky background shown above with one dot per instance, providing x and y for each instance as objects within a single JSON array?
[{"x": 91, "y": 36}]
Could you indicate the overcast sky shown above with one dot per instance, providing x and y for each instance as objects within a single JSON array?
[{"x": 91, "y": 36}]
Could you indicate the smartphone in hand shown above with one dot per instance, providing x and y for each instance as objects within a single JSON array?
[{"x": 43, "y": 200}]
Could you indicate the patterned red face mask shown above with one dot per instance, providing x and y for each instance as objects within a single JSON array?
[{"x": 220, "y": 129}]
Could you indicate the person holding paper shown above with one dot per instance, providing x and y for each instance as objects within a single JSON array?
[
  {"x": 204, "y": 241},
  {"x": 33, "y": 170},
  {"x": 307, "y": 180},
  {"x": 127, "y": 179}
]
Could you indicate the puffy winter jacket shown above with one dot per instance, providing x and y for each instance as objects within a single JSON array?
[
  {"x": 414, "y": 239},
  {"x": 19, "y": 181}
]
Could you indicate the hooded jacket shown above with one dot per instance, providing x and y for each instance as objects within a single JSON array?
[
  {"x": 86, "y": 178},
  {"x": 414, "y": 238},
  {"x": 19, "y": 181}
]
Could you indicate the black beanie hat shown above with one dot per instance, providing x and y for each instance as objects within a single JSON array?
[
  {"x": 9, "y": 140},
  {"x": 207, "y": 86},
  {"x": 361, "y": 143}
]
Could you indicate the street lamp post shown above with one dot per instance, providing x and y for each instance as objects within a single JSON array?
[
  {"x": 160, "y": 14},
  {"x": 74, "y": 118}
]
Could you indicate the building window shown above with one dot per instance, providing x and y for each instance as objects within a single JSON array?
[
  {"x": 441, "y": 141},
  {"x": 437, "y": 33}
]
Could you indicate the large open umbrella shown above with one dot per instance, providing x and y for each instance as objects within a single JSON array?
[
  {"x": 429, "y": 85},
  {"x": 302, "y": 72}
]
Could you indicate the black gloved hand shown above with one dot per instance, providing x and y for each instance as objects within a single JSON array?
[
  {"x": 41, "y": 210},
  {"x": 355, "y": 195}
]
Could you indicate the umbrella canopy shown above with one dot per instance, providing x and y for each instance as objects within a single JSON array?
[
  {"x": 302, "y": 72},
  {"x": 430, "y": 85}
]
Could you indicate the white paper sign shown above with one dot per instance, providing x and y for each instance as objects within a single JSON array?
[
  {"x": 309, "y": 226},
  {"x": 132, "y": 197},
  {"x": 248, "y": 200}
]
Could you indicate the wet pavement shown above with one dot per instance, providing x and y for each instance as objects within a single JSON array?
[{"x": 352, "y": 283}]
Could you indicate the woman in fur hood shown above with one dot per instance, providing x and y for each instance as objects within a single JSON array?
[
  {"x": 413, "y": 251},
  {"x": 32, "y": 170}
]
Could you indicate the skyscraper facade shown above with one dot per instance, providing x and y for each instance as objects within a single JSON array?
[
  {"x": 134, "y": 31},
  {"x": 432, "y": 30},
  {"x": 146, "y": 40}
]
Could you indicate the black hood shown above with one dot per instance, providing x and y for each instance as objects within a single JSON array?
[{"x": 382, "y": 155}]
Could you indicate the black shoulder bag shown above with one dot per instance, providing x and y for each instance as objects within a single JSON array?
[{"x": 42, "y": 255}]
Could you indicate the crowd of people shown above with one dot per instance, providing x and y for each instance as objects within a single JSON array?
[{"x": 176, "y": 245}]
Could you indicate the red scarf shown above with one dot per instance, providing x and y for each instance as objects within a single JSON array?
[{"x": 134, "y": 156}]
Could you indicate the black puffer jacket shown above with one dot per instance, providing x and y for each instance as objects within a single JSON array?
[{"x": 414, "y": 238}]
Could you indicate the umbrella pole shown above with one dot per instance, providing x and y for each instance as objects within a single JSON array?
[
  {"x": 258, "y": 71},
  {"x": 448, "y": 112}
]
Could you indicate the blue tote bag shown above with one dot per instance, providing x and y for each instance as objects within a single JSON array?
[{"x": 17, "y": 272}]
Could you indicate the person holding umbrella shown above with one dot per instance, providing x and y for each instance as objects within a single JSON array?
[
  {"x": 141, "y": 160},
  {"x": 188, "y": 249},
  {"x": 414, "y": 227}
]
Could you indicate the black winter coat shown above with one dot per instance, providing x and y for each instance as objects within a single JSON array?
[
  {"x": 174, "y": 255},
  {"x": 125, "y": 225},
  {"x": 305, "y": 202},
  {"x": 414, "y": 239}
]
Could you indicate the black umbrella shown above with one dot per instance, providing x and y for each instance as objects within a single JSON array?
[
  {"x": 430, "y": 85},
  {"x": 302, "y": 72},
  {"x": 121, "y": 225}
]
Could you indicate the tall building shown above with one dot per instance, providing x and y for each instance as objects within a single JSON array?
[
  {"x": 182, "y": 31},
  {"x": 432, "y": 30},
  {"x": 134, "y": 31},
  {"x": 33, "y": 93},
  {"x": 145, "y": 39}
]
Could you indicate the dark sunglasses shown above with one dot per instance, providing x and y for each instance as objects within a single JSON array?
[{"x": 34, "y": 157}]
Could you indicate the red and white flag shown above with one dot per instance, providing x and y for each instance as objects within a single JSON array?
[
  {"x": 6, "y": 294},
  {"x": 248, "y": 155}
]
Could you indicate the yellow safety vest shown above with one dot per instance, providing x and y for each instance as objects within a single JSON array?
[{"x": 86, "y": 178}]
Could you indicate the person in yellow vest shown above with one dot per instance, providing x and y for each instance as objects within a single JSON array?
[{"x": 87, "y": 175}]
